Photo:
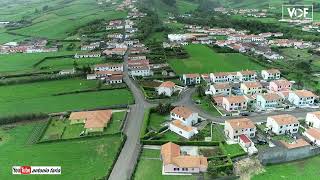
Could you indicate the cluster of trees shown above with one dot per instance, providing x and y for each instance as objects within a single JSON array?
[
  {"x": 149, "y": 24},
  {"x": 163, "y": 109},
  {"x": 210, "y": 18}
]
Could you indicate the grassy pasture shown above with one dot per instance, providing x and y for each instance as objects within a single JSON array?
[
  {"x": 67, "y": 63},
  {"x": 297, "y": 170},
  {"x": 66, "y": 20},
  {"x": 21, "y": 63},
  {"x": 38, "y": 97},
  {"x": 205, "y": 60},
  {"x": 79, "y": 159}
]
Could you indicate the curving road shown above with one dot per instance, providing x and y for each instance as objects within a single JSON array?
[{"x": 127, "y": 159}]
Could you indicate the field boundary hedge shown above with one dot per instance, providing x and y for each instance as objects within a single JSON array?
[{"x": 22, "y": 117}]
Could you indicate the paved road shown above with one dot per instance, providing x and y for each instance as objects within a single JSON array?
[
  {"x": 186, "y": 100},
  {"x": 129, "y": 154}
]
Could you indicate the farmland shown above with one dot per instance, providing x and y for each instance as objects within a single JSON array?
[
  {"x": 205, "y": 60},
  {"x": 22, "y": 63},
  {"x": 39, "y": 97},
  {"x": 97, "y": 154},
  {"x": 65, "y": 17}
]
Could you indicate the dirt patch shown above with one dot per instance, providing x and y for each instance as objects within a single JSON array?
[{"x": 248, "y": 167}]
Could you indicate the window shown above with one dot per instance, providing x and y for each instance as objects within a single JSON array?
[
  {"x": 280, "y": 132},
  {"x": 295, "y": 125}
]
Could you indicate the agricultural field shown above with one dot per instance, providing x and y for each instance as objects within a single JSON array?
[
  {"x": 67, "y": 63},
  {"x": 23, "y": 63},
  {"x": 205, "y": 60},
  {"x": 65, "y": 17},
  {"x": 302, "y": 169},
  {"x": 97, "y": 154},
  {"x": 150, "y": 165},
  {"x": 40, "y": 97}
]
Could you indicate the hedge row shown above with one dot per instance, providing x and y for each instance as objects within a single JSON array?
[
  {"x": 39, "y": 79},
  {"x": 145, "y": 124},
  {"x": 44, "y": 130},
  {"x": 51, "y": 57},
  {"x": 79, "y": 138},
  {"x": 91, "y": 90},
  {"x": 182, "y": 143},
  {"x": 23, "y": 117}
]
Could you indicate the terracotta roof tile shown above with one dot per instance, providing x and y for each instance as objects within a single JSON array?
[
  {"x": 167, "y": 84},
  {"x": 179, "y": 124},
  {"x": 285, "y": 119},
  {"x": 93, "y": 119},
  {"x": 235, "y": 99},
  {"x": 182, "y": 111},
  {"x": 297, "y": 144},
  {"x": 304, "y": 93},
  {"x": 314, "y": 133},
  {"x": 243, "y": 123}
]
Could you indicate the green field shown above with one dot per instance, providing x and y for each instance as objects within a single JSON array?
[
  {"x": 21, "y": 63},
  {"x": 205, "y": 60},
  {"x": 153, "y": 167},
  {"x": 62, "y": 18},
  {"x": 67, "y": 63},
  {"x": 79, "y": 159},
  {"x": 156, "y": 120},
  {"x": 297, "y": 170},
  {"x": 38, "y": 97}
]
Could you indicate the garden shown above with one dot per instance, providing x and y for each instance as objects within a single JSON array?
[{"x": 62, "y": 129}]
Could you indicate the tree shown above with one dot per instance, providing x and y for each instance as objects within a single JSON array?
[
  {"x": 75, "y": 65},
  {"x": 201, "y": 91}
]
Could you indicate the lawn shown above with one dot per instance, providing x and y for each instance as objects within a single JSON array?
[
  {"x": 156, "y": 120},
  {"x": 206, "y": 105},
  {"x": 79, "y": 159},
  {"x": 297, "y": 170},
  {"x": 204, "y": 60},
  {"x": 116, "y": 121},
  {"x": 233, "y": 149},
  {"x": 152, "y": 167},
  {"x": 55, "y": 129},
  {"x": 38, "y": 97},
  {"x": 217, "y": 133}
]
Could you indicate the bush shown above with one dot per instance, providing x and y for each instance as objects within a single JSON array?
[{"x": 24, "y": 117}]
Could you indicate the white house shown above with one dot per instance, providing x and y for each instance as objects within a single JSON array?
[
  {"x": 313, "y": 134},
  {"x": 108, "y": 67},
  {"x": 222, "y": 77},
  {"x": 269, "y": 101},
  {"x": 174, "y": 162},
  {"x": 251, "y": 88},
  {"x": 191, "y": 79},
  {"x": 166, "y": 88},
  {"x": 270, "y": 74},
  {"x": 283, "y": 124},
  {"x": 247, "y": 75},
  {"x": 185, "y": 115},
  {"x": 220, "y": 89},
  {"x": 235, "y": 127},
  {"x": 247, "y": 145},
  {"x": 234, "y": 103},
  {"x": 114, "y": 79},
  {"x": 302, "y": 98},
  {"x": 182, "y": 129},
  {"x": 141, "y": 71},
  {"x": 313, "y": 119}
]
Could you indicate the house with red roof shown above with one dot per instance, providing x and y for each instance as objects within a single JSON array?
[{"x": 166, "y": 88}]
